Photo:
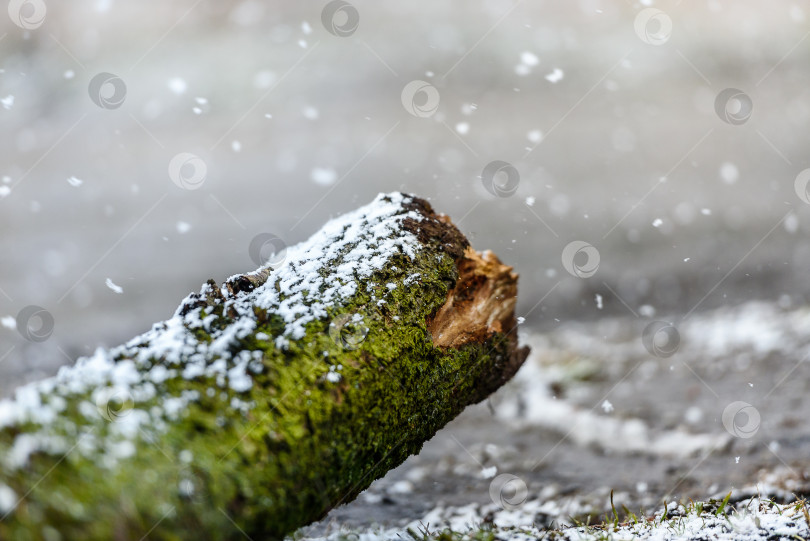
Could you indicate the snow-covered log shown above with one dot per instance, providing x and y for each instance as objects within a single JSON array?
[{"x": 266, "y": 401}]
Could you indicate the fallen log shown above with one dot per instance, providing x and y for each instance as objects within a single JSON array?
[{"x": 267, "y": 401}]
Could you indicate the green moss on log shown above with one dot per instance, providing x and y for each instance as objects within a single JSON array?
[{"x": 258, "y": 407}]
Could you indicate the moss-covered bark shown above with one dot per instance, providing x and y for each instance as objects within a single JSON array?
[{"x": 267, "y": 401}]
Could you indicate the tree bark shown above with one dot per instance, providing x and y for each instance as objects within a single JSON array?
[{"x": 267, "y": 401}]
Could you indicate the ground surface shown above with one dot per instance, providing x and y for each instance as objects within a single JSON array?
[{"x": 752, "y": 519}]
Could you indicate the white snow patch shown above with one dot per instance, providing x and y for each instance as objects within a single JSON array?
[
  {"x": 532, "y": 404},
  {"x": 401, "y": 487},
  {"x": 238, "y": 379},
  {"x": 489, "y": 473},
  {"x": 8, "y": 499},
  {"x": 749, "y": 520}
]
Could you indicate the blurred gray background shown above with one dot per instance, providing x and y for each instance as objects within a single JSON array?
[
  {"x": 296, "y": 124},
  {"x": 608, "y": 114}
]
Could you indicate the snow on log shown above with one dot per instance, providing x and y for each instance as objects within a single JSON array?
[{"x": 266, "y": 401}]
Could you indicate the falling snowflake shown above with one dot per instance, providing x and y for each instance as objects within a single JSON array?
[
  {"x": 529, "y": 58},
  {"x": 535, "y": 136},
  {"x": 729, "y": 173},
  {"x": 177, "y": 85},
  {"x": 323, "y": 176},
  {"x": 555, "y": 76},
  {"x": 113, "y": 287}
]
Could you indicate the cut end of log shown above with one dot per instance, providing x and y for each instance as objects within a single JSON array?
[{"x": 482, "y": 302}]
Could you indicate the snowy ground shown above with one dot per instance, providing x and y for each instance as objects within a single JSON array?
[{"x": 751, "y": 519}]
